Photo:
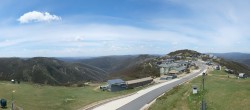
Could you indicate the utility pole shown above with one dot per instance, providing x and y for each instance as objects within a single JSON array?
[
  {"x": 203, "y": 81},
  {"x": 203, "y": 102},
  {"x": 12, "y": 98}
]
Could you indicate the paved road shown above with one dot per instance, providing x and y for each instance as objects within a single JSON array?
[
  {"x": 142, "y": 98},
  {"x": 150, "y": 96}
]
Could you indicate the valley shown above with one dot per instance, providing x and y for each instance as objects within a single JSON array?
[{"x": 76, "y": 84}]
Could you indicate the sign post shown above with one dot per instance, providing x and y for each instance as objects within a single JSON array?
[
  {"x": 203, "y": 102},
  {"x": 12, "y": 98}
]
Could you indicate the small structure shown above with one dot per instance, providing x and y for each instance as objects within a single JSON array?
[
  {"x": 209, "y": 63},
  {"x": 165, "y": 77},
  {"x": 13, "y": 81},
  {"x": 183, "y": 63},
  {"x": 180, "y": 69},
  {"x": 173, "y": 72},
  {"x": 168, "y": 77},
  {"x": 168, "y": 61},
  {"x": 229, "y": 71},
  {"x": 104, "y": 87},
  {"x": 139, "y": 82},
  {"x": 218, "y": 67},
  {"x": 242, "y": 75},
  {"x": 195, "y": 89},
  {"x": 162, "y": 70},
  {"x": 3, "y": 103},
  {"x": 116, "y": 85},
  {"x": 165, "y": 67}
]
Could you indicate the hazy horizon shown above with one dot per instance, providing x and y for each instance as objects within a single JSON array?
[
  {"x": 79, "y": 28},
  {"x": 84, "y": 57}
]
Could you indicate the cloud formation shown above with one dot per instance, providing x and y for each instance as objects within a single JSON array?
[
  {"x": 36, "y": 16},
  {"x": 204, "y": 26}
]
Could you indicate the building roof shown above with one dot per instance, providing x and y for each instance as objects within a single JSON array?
[
  {"x": 139, "y": 80},
  {"x": 168, "y": 65},
  {"x": 115, "y": 81},
  {"x": 241, "y": 74},
  {"x": 182, "y": 62},
  {"x": 165, "y": 76},
  {"x": 178, "y": 69},
  {"x": 173, "y": 72},
  {"x": 168, "y": 60}
]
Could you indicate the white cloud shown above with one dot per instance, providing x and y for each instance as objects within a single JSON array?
[
  {"x": 7, "y": 42},
  {"x": 208, "y": 28},
  {"x": 106, "y": 39},
  {"x": 36, "y": 16}
]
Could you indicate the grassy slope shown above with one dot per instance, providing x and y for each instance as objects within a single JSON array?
[
  {"x": 35, "y": 97},
  {"x": 222, "y": 93}
]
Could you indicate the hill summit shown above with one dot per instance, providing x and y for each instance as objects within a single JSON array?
[
  {"x": 56, "y": 72},
  {"x": 185, "y": 53}
]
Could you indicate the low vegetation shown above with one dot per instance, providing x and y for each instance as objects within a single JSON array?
[
  {"x": 237, "y": 67},
  {"x": 48, "y": 71},
  {"x": 221, "y": 93},
  {"x": 185, "y": 53},
  {"x": 142, "y": 70},
  {"x": 37, "y": 97},
  {"x": 126, "y": 67}
]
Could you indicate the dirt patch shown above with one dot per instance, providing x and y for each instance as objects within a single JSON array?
[{"x": 96, "y": 88}]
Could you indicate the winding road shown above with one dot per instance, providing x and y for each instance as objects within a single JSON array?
[{"x": 143, "y": 97}]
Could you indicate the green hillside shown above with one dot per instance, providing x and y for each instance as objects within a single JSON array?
[
  {"x": 221, "y": 93},
  {"x": 126, "y": 67},
  {"x": 48, "y": 71},
  {"x": 184, "y": 53},
  {"x": 237, "y": 67},
  {"x": 36, "y": 97}
]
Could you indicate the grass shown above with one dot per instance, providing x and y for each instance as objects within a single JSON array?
[
  {"x": 221, "y": 93},
  {"x": 36, "y": 97}
]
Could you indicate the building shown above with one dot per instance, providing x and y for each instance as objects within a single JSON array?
[
  {"x": 209, "y": 63},
  {"x": 218, "y": 67},
  {"x": 168, "y": 61},
  {"x": 178, "y": 70},
  {"x": 167, "y": 66},
  {"x": 242, "y": 75},
  {"x": 139, "y": 82},
  {"x": 229, "y": 71},
  {"x": 183, "y": 63},
  {"x": 165, "y": 77},
  {"x": 173, "y": 72},
  {"x": 164, "y": 68},
  {"x": 116, "y": 85}
]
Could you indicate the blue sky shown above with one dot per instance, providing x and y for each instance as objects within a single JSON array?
[{"x": 63, "y": 28}]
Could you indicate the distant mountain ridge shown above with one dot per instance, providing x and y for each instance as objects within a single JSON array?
[
  {"x": 124, "y": 66},
  {"x": 60, "y": 71},
  {"x": 48, "y": 71},
  {"x": 114, "y": 63},
  {"x": 184, "y": 52},
  {"x": 235, "y": 56}
]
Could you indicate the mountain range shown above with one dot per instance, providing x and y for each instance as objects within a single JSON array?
[
  {"x": 243, "y": 58},
  {"x": 61, "y": 71},
  {"x": 125, "y": 66},
  {"x": 48, "y": 71}
]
